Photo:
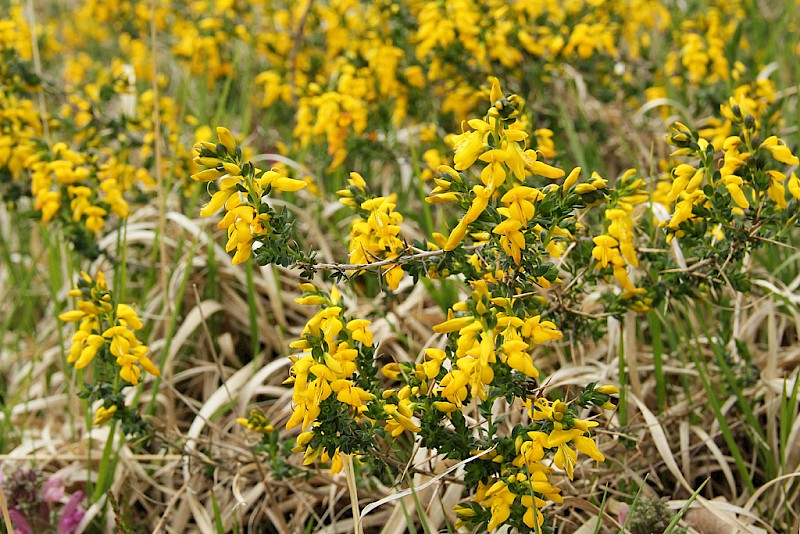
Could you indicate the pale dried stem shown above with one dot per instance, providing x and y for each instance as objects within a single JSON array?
[
  {"x": 4, "y": 507},
  {"x": 352, "y": 488},
  {"x": 162, "y": 197},
  {"x": 37, "y": 65}
]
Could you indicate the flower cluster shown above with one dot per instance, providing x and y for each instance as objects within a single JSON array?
[
  {"x": 107, "y": 326},
  {"x": 332, "y": 393},
  {"x": 512, "y": 229},
  {"x": 76, "y": 161},
  {"x": 741, "y": 177},
  {"x": 375, "y": 235},
  {"x": 107, "y": 331},
  {"x": 36, "y": 505},
  {"x": 616, "y": 249},
  {"x": 242, "y": 189}
]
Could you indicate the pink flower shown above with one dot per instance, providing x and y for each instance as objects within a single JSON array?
[
  {"x": 71, "y": 515},
  {"x": 21, "y": 525},
  {"x": 622, "y": 515},
  {"x": 53, "y": 490}
]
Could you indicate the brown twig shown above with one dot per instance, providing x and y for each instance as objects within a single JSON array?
[
  {"x": 398, "y": 260},
  {"x": 693, "y": 267}
]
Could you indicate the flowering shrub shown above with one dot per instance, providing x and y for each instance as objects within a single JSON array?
[
  {"x": 517, "y": 222},
  {"x": 106, "y": 335},
  {"x": 546, "y": 179}
]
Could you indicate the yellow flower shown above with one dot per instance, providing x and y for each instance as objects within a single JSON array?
[
  {"x": 88, "y": 349},
  {"x": 541, "y": 168},
  {"x": 453, "y": 324},
  {"x": 127, "y": 317},
  {"x": 468, "y": 146},
  {"x": 540, "y": 331},
  {"x": 794, "y": 186},
  {"x": 207, "y": 175},
  {"x": 257, "y": 422},
  {"x": 280, "y": 183},
  {"x": 605, "y": 250},
  {"x": 226, "y": 139},
  {"x": 103, "y": 414},
  {"x": 499, "y": 498},
  {"x": 779, "y": 151},
  {"x": 512, "y": 240},
  {"x": 400, "y": 417},
  {"x": 477, "y": 207},
  {"x": 358, "y": 329},
  {"x": 518, "y": 358},
  {"x": 776, "y": 191},
  {"x": 227, "y": 187},
  {"x": 434, "y": 364}
]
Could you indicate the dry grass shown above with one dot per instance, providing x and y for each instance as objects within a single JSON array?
[{"x": 210, "y": 378}]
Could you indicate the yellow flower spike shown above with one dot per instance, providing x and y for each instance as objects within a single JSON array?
[{"x": 226, "y": 138}]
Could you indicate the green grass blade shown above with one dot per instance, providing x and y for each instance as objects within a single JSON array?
[{"x": 677, "y": 517}]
